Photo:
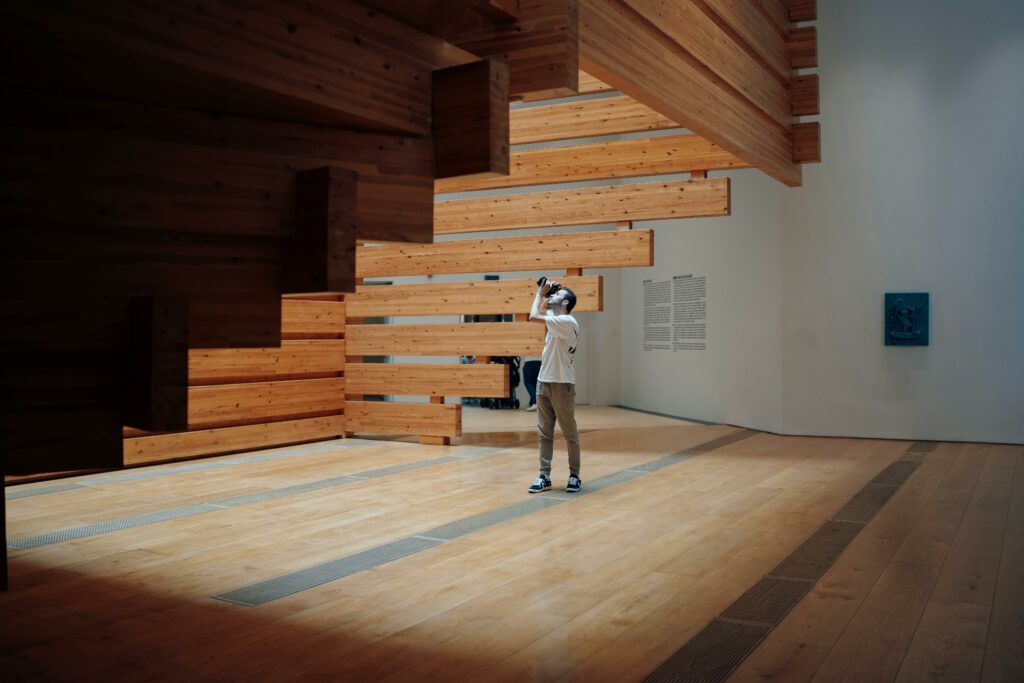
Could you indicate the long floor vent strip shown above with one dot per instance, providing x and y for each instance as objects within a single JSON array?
[
  {"x": 109, "y": 526},
  {"x": 282, "y": 586},
  {"x": 719, "y": 648}
]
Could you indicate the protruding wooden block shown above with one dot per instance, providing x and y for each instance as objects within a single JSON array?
[
  {"x": 807, "y": 143},
  {"x": 803, "y": 47},
  {"x": 805, "y": 96},
  {"x": 321, "y": 254},
  {"x": 157, "y": 393},
  {"x": 802, "y": 10},
  {"x": 470, "y": 124}
]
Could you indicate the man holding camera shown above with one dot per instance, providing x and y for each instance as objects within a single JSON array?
[{"x": 556, "y": 383}]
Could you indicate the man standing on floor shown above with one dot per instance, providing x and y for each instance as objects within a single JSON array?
[{"x": 556, "y": 383}]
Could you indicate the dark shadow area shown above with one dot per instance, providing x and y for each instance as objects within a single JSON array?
[{"x": 57, "y": 624}]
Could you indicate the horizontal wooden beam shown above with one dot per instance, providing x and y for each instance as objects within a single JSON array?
[
  {"x": 722, "y": 53},
  {"x": 541, "y": 47},
  {"x": 611, "y": 249},
  {"x": 746, "y": 20},
  {"x": 278, "y": 60},
  {"x": 425, "y": 419},
  {"x": 628, "y": 50},
  {"x": 226, "y": 405},
  {"x": 293, "y": 359},
  {"x": 465, "y": 339},
  {"x": 152, "y": 448},
  {"x": 305, "y": 319},
  {"x": 586, "y": 206},
  {"x": 422, "y": 379},
  {"x": 482, "y": 297},
  {"x": 803, "y": 47},
  {"x": 604, "y": 161},
  {"x": 587, "y": 118},
  {"x": 804, "y": 90}
]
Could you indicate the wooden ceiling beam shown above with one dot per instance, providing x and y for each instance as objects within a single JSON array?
[
  {"x": 603, "y": 161},
  {"x": 711, "y": 42},
  {"x": 541, "y": 47},
  {"x": 746, "y": 19},
  {"x": 609, "y": 249},
  {"x": 284, "y": 60},
  {"x": 629, "y": 51},
  {"x": 587, "y": 118},
  {"x": 585, "y": 206}
]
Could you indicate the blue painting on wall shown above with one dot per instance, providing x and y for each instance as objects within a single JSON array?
[{"x": 906, "y": 319}]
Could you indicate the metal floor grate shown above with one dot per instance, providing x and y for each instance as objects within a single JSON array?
[
  {"x": 282, "y": 586},
  {"x": 711, "y": 655},
  {"x": 715, "y": 652},
  {"x": 272, "y": 589}
]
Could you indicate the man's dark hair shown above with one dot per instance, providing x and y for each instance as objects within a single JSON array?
[{"x": 570, "y": 299}]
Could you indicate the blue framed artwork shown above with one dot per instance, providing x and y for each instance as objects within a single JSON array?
[{"x": 906, "y": 319}]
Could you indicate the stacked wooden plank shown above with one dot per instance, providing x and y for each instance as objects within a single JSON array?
[
  {"x": 248, "y": 398},
  {"x": 178, "y": 166}
]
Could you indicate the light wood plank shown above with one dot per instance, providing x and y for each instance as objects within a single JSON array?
[
  {"x": 629, "y": 51},
  {"x": 305, "y": 319},
  {"x": 612, "y": 249},
  {"x": 234, "y": 404},
  {"x": 468, "y": 298},
  {"x": 605, "y": 204},
  {"x": 467, "y": 339},
  {"x": 166, "y": 447},
  {"x": 807, "y": 142},
  {"x": 409, "y": 379},
  {"x": 602, "y": 161},
  {"x": 805, "y": 92},
  {"x": 568, "y": 120},
  {"x": 424, "y": 419},
  {"x": 292, "y": 359}
]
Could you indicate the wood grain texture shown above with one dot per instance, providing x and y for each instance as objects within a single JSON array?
[
  {"x": 629, "y": 51},
  {"x": 567, "y": 120},
  {"x": 805, "y": 92},
  {"x": 541, "y": 47},
  {"x": 618, "y": 249},
  {"x": 308, "y": 319},
  {"x": 802, "y": 10},
  {"x": 424, "y": 419},
  {"x": 605, "y": 160},
  {"x": 807, "y": 142},
  {"x": 466, "y": 339},
  {"x": 750, "y": 21},
  {"x": 605, "y": 204},
  {"x": 470, "y": 126},
  {"x": 294, "y": 358},
  {"x": 467, "y": 298},
  {"x": 321, "y": 253},
  {"x": 412, "y": 379},
  {"x": 803, "y": 47},
  {"x": 167, "y": 447},
  {"x": 723, "y": 52},
  {"x": 236, "y": 404}
]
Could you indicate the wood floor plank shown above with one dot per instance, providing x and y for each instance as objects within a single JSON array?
[{"x": 602, "y": 588}]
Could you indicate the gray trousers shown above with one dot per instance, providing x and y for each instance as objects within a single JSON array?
[{"x": 557, "y": 400}]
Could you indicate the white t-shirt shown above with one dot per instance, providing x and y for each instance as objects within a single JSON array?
[{"x": 560, "y": 345}]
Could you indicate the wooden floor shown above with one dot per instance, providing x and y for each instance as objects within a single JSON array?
[{"x": 603, "y": 588}]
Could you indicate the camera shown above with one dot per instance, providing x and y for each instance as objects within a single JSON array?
[{"x": 555, "y": 286}]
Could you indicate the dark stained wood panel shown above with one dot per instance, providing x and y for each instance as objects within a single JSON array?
[
  {"x": 470, "y": 124},
  {"x": 321, "y": 253}
]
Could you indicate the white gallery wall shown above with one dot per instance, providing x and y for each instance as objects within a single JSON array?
[{"x": 921, "y": 190}]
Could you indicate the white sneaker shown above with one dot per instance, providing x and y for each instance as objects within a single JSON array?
[{"x": 532, "y": 406}]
